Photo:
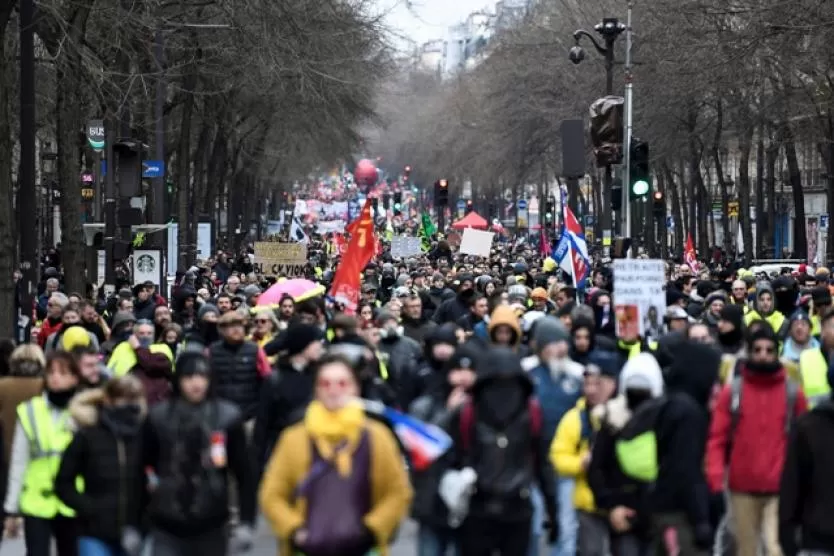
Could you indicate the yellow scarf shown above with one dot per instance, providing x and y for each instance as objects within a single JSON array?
[{"x": 332, "y": 429}]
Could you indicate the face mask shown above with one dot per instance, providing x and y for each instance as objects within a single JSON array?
[
  {"x": 145, "y": 342},
  {"x": 60, "y": 398}
]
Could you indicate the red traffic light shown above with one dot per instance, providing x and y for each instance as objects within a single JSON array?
[
  {"x": 443, "y": 183},
  {"x": 658, "y": 195},
  {"x": 407, "y": 169}
]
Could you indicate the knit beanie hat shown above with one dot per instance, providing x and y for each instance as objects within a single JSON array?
[
  {"x": 298, "y": 336},
  {"x": 206, "y": 309},
  {"x": 549, "y": 330}
]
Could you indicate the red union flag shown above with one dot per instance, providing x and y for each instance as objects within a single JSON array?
[
  {"x": 360, "y": 250},
  {"x": 689, "y": 254}
]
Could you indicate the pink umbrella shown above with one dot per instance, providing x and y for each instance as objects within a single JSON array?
[{"x": 298, "y": 288}]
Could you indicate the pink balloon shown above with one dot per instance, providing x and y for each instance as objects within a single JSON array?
[{"x": 365, "y": 173}]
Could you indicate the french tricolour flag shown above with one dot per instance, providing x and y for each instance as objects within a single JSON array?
[
  {"x": 572, "y": 252},
  {"x": 425, "y": 442}
]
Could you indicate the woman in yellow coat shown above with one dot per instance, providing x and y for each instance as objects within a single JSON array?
[
  {"x": 336, "y": 480},
  {"x": 570, "y": 455}
]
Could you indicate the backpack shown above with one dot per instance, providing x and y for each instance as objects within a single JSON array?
[
  {"x": 792, "y": 392},
  {"x": 467, "y": 422},
  {"x": 636, "y": 444}
]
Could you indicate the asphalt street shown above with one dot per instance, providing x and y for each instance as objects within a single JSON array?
[{"x": 264, "y": 545}]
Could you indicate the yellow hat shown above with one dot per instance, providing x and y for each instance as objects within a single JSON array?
[
  {"x": 73, "y": 337},
  {"x": 549, "y": 264}
]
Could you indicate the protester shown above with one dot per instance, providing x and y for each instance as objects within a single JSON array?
[{"x": 335, "y": 482}]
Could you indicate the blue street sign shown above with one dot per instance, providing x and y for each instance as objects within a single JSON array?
[
  {"x": 670, "y": 222},
  {"x": 461, "y": 204},
  {"x": 150, "y": 168},
  {"x": 153, "y": 168},
  {"x": 589, "y": 220},
  {"x": 522, "y": 204},
  {"x": 824, "y": 221}
]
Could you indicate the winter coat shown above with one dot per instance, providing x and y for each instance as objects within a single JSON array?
[
  {"x": 107, "y": 454},
  {"x": 291, "y": 462},
  {"x": 806, "y": 493},
  {"x": 760, "y": 440}
]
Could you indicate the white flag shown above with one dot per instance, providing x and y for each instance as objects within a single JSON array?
[{"x": 297, "y": 232}]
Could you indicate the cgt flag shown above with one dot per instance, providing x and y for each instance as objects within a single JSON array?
[{"x": 360, "y": 250}]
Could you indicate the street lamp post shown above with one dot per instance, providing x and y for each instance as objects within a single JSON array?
[{"x": 609, "y": 29}]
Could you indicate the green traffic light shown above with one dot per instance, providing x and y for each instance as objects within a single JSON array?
[
  {"x": 396, "y": 206},
  {"x": 640, "y": 187}
]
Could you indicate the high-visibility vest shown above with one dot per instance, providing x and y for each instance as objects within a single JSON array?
[
  {"x": 48, "y": 438},
  {"x": 123, "y": 358},
  {"x": 813, "y": 370}
]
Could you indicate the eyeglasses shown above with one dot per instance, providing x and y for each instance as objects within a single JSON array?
[{"x": 327, "y": 384}]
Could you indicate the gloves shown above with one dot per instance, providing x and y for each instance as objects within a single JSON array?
[
  {"x": 131, "y": 541},
  {"x": 241, "y": 539}
]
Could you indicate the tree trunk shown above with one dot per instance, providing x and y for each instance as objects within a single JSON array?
[
  {"x": 677, "y": 207},
  {"x": 184, "y": 186},
  {"x": 800, "y": 238},
  {"x": 68, "y": 112},
  {"x": 745, "y": 147},
  {"x": 762, "y": 224},
  {"x": 722, "y": 182},
  {"x": 8, "y": 312}
]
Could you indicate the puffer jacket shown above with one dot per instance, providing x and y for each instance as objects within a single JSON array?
[{"x": 106, "y": 452}]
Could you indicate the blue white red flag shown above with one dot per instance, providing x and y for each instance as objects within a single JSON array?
[
  {"x": 571, "y": 253},
  {"x": 423, "y": 441}
]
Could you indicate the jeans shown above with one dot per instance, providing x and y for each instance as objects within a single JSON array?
[
  {"x": 434, "y": 541},
  {"x": 538, "y": 522},
  {"x": 90, "y": 546},
  {"x": 568, "y": 524}
]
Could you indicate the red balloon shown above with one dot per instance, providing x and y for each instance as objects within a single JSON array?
[{"x": 365, "y": 173}]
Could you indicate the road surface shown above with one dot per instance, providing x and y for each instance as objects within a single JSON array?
[{"x": 264, "y": 545}]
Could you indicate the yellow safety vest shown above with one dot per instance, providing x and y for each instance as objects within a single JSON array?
[
  {"x": 813, "y": 370},
  {"x": 123, "y": 358},
  {"x": 48, "y": 439},
  {"x": 636, "y": 348}
]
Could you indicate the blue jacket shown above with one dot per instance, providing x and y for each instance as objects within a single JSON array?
[{"x": 556, "y": 396}]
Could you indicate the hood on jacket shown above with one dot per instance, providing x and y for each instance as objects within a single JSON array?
[
  {"x": 504, "y": 314},
  {"x": 694, "y": 370},
  {"x": 642, "y": 372},
  {"x": 85, "y": 407},
  {"x": 502, "y": 390},
  {"x": 763, "y": 288},
  {"x": 500, "y": 363}
]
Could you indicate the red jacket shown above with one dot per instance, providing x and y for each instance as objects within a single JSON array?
[
  {"x": 47, "y": 329},
  {"x": 760, "y": 440}
]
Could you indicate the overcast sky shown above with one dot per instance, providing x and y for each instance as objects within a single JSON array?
[{"x": 428, "y": 19}]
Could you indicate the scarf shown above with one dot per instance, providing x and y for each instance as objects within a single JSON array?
[{"x": 336, "y": 434}]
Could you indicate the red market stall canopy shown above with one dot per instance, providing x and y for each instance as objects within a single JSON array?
[{"x": 471, "y": 220}]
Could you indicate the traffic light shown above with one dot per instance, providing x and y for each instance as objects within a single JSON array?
[
  {"x": 659, "y": 205},
  {"x": 398, "y": 202},
  {"x": 639, "y": 169},
  {"x": 386, "y": 201},
  {"x": 441, "y": 193},
  {"x": 549, "y": 211},
  {"x": 469, "y": 207}
]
